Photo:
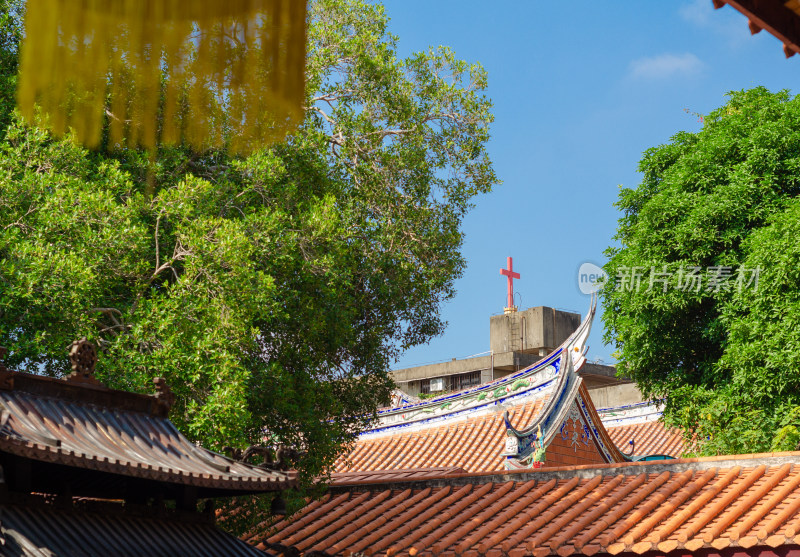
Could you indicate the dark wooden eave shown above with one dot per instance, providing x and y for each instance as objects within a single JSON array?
[
  {"x": 780, "y": 18},
  {"x": 81, "y": 433},
  {"x": 33, "y": 527}
]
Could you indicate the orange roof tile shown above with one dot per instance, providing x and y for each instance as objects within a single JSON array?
[
  {"x": 476, "y": 444},
  {"x": 720, "y": 502},
  {"x": 473, "y": 444},
  {"x": 649, "y": 438},
  {"x": 377, "y": 476}
]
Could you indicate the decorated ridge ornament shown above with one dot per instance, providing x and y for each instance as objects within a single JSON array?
[
  {"x": 207, "y": 73},
  {"x": 83, "y": 357}
]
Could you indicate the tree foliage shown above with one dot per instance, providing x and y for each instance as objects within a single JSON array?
[
  {"x": 10, "y": 37},
  {"x": 273, "y": 291},
  {"x": 724, "y": 204}
]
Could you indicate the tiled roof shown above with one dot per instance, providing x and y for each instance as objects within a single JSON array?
[
  {"x": 473, "y": 444},
  {"x": 649, "y": 438},
  {"x": 720, "y": 502},
  {"x": 82, "y": 426},
  {"x": 549, "y": 408},
  {"x": 476, "y": 444},
  {"x": 381, "y": 476},
  {"x": 40, "y": 529}
]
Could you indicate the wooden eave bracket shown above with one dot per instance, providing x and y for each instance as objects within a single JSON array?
[{"x": 781, "y": 19}]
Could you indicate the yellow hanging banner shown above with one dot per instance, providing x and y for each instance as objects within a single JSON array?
[{"x": 207, "y": 73}]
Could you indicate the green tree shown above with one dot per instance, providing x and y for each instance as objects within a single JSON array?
[
  {"x": 722, "y": 202},
  {"x": 10, "y": 37},
  {"x": 273, "y": 291}
]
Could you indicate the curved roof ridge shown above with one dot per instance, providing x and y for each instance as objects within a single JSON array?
[
  {"x": 566, "y": 388},
  {"x": 569, "y": 405},
  {"x": 568, "y": 381},
  {"x": 482, "y": 399}
]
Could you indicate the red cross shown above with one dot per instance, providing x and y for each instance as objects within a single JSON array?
[{"x": 511, "y": 276}]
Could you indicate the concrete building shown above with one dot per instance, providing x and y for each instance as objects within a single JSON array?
[{"x": 518, "y": 339}]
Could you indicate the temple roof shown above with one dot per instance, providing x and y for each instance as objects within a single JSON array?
[
  {"x": 467, "y": 429},
  {"x": 39, "y": 528},
  {"x": 81, "y": 424},
  {"x": 780, "y": 18},
  {"x": 690, "y": 504},
  {"x": 649, "y": 438},
  {"x": 519, "y": 465},
  {"x": 473, "y": 444},
  {"x": 128, "y": 443},
  {"x": 88, "y": 470},
  {"x": 476, "y": 444}
]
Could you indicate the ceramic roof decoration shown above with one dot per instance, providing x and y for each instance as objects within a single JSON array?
[{"x": 487, "y": 397}]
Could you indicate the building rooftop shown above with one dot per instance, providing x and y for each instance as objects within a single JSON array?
[
  {"x": 38, "y": 528},
  {"x": 780, "y": 18},
  {"x": 81, "y": 424},
  {"x": 637, "y": 507},
  {"x": 491, "y": 427},
  {"x": 517, "y": 466},
  {"x": 647, "y": 438},
  {"x": 474, "y": 444},
  {"x": 88, "y": 470}
]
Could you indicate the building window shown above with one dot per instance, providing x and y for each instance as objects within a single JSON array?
[
  {"x": 450, "y": 383},
  {"x": 465, "y": 381}
]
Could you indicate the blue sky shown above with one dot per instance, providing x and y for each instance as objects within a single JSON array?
[{"x": 580, "y": 91}]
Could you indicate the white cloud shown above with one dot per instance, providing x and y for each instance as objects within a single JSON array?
[
  {"x": 698, "y": 12},
  {"x": 666, "y": 66},
  {"x": 726, "y": 22}
]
